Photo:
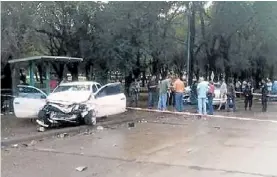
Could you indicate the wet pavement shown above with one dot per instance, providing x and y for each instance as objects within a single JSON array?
[{"x": 160, "y": 145}]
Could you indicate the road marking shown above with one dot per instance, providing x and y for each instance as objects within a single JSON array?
[{"x": 210, "y": 116}]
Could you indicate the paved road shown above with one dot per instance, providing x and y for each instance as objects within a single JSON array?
[{"x": 166, "y": 145}]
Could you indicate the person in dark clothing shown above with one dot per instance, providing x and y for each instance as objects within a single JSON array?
[
  {"x": 248, "y": 93},
  {"x": 134, "y": 92},
  {"x": 152, "y": 92},
  {"x": 264, "y": 95},
  {"x": 231, "y": 95},
  {"x": 22, "y": 78}
]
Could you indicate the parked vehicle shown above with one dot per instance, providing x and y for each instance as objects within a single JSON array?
[
  {"x": 74, "y": 102},
  {"x": 216, "y": 100}
]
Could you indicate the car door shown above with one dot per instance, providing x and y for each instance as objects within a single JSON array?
[
  {"x": 109, "y": 101},
  {"x": 119, "y": 104},
  {"x": 28, "y": 102}
]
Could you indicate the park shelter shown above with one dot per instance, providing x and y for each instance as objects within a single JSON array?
[{"x": 31, "y": 64}]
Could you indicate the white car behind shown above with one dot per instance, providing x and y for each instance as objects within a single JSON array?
[{"x": 216, "y": 100}]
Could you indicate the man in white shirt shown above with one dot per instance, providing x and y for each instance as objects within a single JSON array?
[{"x": 269, "y": 86}]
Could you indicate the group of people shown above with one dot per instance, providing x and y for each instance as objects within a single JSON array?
[
  {"x": 204, "y": 92},
  {"x": 170, "y": 88}
]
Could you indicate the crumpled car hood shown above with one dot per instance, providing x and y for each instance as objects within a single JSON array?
[{"x": 69, "y": 97}]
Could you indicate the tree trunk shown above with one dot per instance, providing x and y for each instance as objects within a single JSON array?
[
  {"x": 137, "y": 70},
  {"x": 59, "y": 69},
  {"x": 192, "y": 40},
  {"x": 40, "y": 73},
  {"x": 143, "y": 78},
  {"x": 73, "y": 69},
  {"x": 88, "y": 71}
]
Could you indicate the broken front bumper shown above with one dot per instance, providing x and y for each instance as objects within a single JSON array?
[{"x": 60, "y": 112}]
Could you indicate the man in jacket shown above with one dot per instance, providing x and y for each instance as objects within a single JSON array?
[
  {"x": 152, "y": 91},
  {"x": 264, "y": 95},
  {"x": 248, "y": 93},
  {"x": 164, "y": 86}
]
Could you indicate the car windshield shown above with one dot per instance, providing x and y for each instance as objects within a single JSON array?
[{"x": 62, "y": 88}]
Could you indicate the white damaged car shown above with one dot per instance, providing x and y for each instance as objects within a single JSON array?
[{"x": 74, "y": 103}]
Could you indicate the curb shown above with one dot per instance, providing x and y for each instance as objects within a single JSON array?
[
  {"x": 199, "y": 115},
  {"x": 54, "y": 132}
]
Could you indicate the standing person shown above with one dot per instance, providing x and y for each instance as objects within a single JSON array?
[
  {"x": 22, "y": 78},
  {"x": 164, "y": 87},
  {"x": 152, "y": 92},
  {"x": 53, "y": 82},
  {"x": 231, "y": 95},
  {"x": 193, "y": 92},
  {"x": 264, "y": 95},
  {"x": 210, "y": 96},
  {"x": 223, "y": 94},
  {"x": 202, "y": 89},
  {"x": 179, "y": 88},
  {"x": 171, "y": 95},
  {"x": 269, "y": 86},
  {"x": 238, "y": 87},
  {"x": 134, "y": 91},
  {"x": 248, "y": 93},
  {"x": 244, "y": 84}
]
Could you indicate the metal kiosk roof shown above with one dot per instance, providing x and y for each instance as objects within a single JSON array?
[{"x": 46, "y": 59}]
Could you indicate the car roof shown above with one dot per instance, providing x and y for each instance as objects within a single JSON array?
[{"x": 79, "y": 83}]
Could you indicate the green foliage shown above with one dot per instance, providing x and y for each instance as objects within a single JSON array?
[{"x": 134, "y": 37}]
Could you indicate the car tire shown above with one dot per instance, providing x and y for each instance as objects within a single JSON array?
[{"x": 90, "y": 118}]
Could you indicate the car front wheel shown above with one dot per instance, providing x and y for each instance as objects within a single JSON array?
[{"x": 90, "y": 118}]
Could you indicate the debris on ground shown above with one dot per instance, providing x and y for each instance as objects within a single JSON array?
[
  {"x": 131, "y": 124},
  {"x": 33, "y": 142},
  {"x": 217, "y": 127},
  {"x": 5, "y": 138},
  {"x": 15, "y": 145},
  {"x": 189, "y": 150},
  {"x": 41, "y": 129},
  {"x": 62, "y": 135},
  {"x": 81, "y": 168},
  {"x": 25, "y": 145},
  {"x": 142, "y": 121},
  {"x": 100, "y": 128},
  {"x": 88, "y": 132},
  {"x": 114, "y": 145}
]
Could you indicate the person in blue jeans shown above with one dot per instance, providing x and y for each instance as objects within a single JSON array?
[
  {"x": 152, "y": 92},
  {"x": 210, "y": 98},
  {"x": 202, "y": 90},
  {"x": 164, "y": 87},
  {"x": 179, "y": 88}
]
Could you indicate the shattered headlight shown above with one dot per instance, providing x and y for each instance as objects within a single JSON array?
[{"x": 79, "y": 107}]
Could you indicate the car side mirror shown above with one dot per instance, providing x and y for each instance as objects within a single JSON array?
[{"x": 43, "y": 97}]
